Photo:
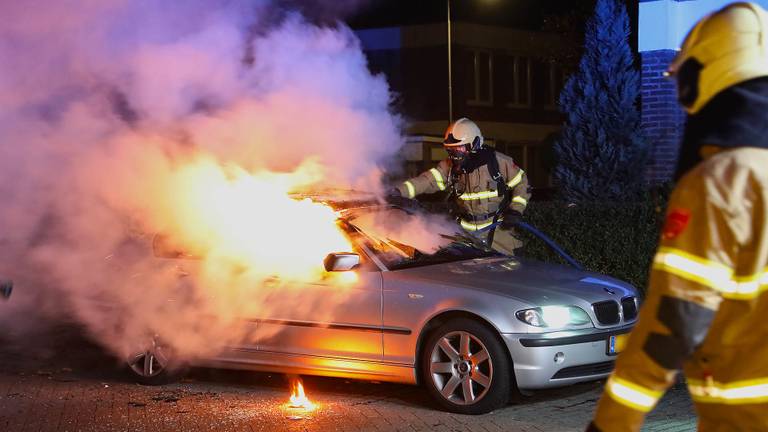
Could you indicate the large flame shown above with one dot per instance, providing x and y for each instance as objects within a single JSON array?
[
  {"x": 227, "y": 213},
  {"x": 298, "y": 398}
]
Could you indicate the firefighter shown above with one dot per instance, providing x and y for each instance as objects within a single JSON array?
[
  {"x": 707, "y": 301},
  {"x": 490, "y": 190}
]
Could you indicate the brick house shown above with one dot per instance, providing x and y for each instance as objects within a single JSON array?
[
  {"x": 663, "y": 24},
  {"x": 503, "y": 78},
  {"x": 508, "y": 80}
]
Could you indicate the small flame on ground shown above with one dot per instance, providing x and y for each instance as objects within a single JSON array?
[{"x": 298, "y": 398}]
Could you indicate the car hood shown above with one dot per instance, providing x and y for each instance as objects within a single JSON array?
[{"x": 528, "y": 281}]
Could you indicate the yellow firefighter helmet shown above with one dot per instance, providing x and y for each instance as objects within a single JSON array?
[{"x": 724, "y": 48}]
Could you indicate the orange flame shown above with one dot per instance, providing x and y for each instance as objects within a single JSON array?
[
  {"x": 298, "y": 398},
  {"x": 251, "y": 219}
]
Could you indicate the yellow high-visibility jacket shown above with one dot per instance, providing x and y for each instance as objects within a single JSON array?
[
  {"x": 707, "y": 305},
  {"x": 476, "y": 191}
]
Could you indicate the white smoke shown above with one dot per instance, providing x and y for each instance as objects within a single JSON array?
[
  {"x": 426, "y": 233},
  {"x": 102, "y": 105}
]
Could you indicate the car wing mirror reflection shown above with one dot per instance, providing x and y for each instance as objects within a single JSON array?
[{"x": 341, "y": 262}]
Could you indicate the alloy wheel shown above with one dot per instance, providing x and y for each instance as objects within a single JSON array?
[
  {"x": 461, "y": 368},
  {"x": 150, "y": 363}
]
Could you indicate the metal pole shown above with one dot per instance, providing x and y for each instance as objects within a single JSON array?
[{"x": 450, "y": 67}]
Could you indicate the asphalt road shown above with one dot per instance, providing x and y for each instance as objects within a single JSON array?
[{"x": 59, "y": 381}]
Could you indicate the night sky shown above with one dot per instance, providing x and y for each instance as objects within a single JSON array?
[
  {"x": 550, "y": 15},
  {"x": 518, "y": 13}
]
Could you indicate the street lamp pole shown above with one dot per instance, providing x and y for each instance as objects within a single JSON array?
[{"x": 450, "y": 66}]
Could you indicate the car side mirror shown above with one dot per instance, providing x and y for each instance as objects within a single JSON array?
[{"x": 341, "y": 262}]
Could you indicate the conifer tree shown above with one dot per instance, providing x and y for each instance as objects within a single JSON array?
[{"x": 601, "y": 153}]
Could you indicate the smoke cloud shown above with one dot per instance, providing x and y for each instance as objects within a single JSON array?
[
  {"x": 120, "y": 119},
  {"x": 426, "y": 233}
]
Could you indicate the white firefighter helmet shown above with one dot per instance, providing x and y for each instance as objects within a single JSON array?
[
  {"x": 462, "y": 137},
  {"x": 724, "y": 48}
]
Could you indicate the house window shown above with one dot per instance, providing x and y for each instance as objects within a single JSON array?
[
  {"x": 517, "y": 81},
  {"x": 555, "y": 80},
  {"x": 531, "y": 157},
  {"x": 480, "y": 89}
]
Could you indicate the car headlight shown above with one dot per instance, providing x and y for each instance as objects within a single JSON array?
[{"x": 554, "y": 316}]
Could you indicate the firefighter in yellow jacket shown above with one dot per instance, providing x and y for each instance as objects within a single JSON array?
[
  {"x": 707, "y": 306},
  {"x": 490, "y": 189}
]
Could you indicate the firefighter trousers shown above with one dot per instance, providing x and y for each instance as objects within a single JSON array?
[{"x": 505, "y": 241}]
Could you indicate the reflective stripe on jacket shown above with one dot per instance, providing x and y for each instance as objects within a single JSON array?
[
  {"x": 477, "y": 190},
  {"x": 707, "y": 306}
]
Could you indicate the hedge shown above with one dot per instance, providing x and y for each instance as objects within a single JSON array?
[{"x": 617, "y": 239}]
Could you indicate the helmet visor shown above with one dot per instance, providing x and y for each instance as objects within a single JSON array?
[
  {"x": 686, "y": 77},
  {"x": 451, "y": 140}
]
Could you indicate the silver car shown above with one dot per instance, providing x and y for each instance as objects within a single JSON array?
[{"x": 471, "y": 325}]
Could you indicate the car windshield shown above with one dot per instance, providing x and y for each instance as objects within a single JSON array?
[{"x": 404, "y": 240}]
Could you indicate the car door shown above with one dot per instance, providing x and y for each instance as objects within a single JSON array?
[{"x": 339, "y": 317}]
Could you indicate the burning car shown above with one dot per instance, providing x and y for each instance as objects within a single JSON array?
[{"x": 469, "y": 324}]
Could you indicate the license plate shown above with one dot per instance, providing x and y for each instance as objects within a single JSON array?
[{"x": 615, "y": 344}]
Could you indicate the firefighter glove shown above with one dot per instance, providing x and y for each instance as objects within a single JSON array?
[{"x": 511, "y": 218}]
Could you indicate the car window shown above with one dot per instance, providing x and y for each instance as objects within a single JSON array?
[
  {"x": 361, "y": 247},
  {"x": 404, "y": 240}
]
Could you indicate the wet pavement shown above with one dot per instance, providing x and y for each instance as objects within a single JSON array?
[{"x": 71, "y": 385}]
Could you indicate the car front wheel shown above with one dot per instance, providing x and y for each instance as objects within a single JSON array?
[{"x": 465, "y": 367}]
